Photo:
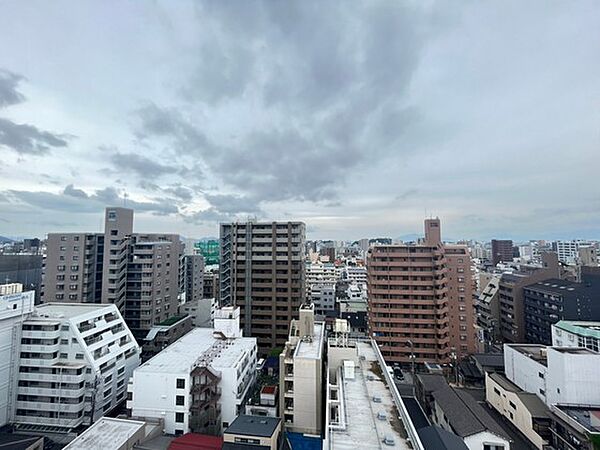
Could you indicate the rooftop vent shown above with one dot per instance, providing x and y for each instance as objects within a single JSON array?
[
  {"x": 376, "y": 399},
  {"x": 389, "y": 440},
  {"x": 370, "y": 377},
  {"x": 381, "y": 415}
]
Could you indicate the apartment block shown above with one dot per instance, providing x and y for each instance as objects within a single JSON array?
[
  {"x": 75, "y": 360},
  {"x": 502, "y": 251},
  {"x": 420, "y": 299},
  {"x": 262, "y": 272},
  {"x": 548, "y": 301},
  {"x": 192, "y": 277},
  {"x": 300, "y": 374},
  {"x": 511, "y": 295},
  {"x": 199, "y": 383},
  {"x": 566, "y": 333},
  {"x": 15, "y": 307},
  {"x": 139, "y": 273}
]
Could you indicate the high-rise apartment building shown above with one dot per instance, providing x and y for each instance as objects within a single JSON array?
[
  {"x": 139, "y": 273},
  {"x": 502, "y": 251},
  {"x": 192, "y": 277},
  {"x": 262, "y": 272},
  {"x": 420, "y": 299}
]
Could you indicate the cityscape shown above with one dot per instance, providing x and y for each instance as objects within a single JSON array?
[{"x": 299, "y": 225}]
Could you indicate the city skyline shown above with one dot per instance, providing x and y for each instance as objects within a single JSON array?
[{"x": 358, "y": 121}]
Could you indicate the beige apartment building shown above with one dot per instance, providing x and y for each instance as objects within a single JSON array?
[
  {"x": 301, "y": 374},
  {"x": 262, "y": 272},
  {"x": 139, "y": 273},
  {"x": 421, "y": 299}
]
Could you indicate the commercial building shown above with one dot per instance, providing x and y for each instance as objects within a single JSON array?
[
  {"x": 575, "y": 427},
  {"x": 199, "y": 383},
  {"x": 502, "y": 251},
  {"x": 209, "y": 249},
  {"x": 512, "y": 302},
  {"x": 23, "y": 268},
  {"x": 568, "y": 251},
  {"x": 300, "y": 374},
  {"x": 210, "y": 288},
  {"x": 420, "y": 299},
  {"x": 262, "y": 272},
  {"x": 548, "y": 301},
  {"x": 75, "y": 360},
  {"x": 15, "y": 307},
  {"x": 164, "y": 334},
  {"x": 323, "y": 297},
  {"x": 139, "y": 273},
  {"x": 487, "y": 308},
  {"x": 567, "y": 333}
]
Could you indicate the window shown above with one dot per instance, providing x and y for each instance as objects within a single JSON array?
[
  {"x": 542, "y": 392},
  {"x": 63, "y": 238},
  {"x": 179, "y": 417},
  {"x": 63, "y": 356},
  {"x": 541, "y": 374},
  {"x": 62, "y": 248},
  {"x": 512, "y": 405},
  {"x": 64, "y": 342},
  {"x": 180, "y": 383},
  {"x": 75, "y": 268},
  {"x": 496, "y": 391},
  {"x": 60, "y": 268},
  {"x": 79, "y": 356},
  {"x": 179, "y": 400}
]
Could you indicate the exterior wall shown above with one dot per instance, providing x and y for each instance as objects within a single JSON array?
[
  {"x": 572, "y": 378},
  {"x": 519, "y": 416},
  {"x": 25, "y": 269},
  {"x": 502, "y": 251},
  {"x": 461, "y": 313},
  {"x": 14, "y": 308},
  {"x": 193, "y": 277},
  {"x": 153, "y": 395},
  {"x": 479, "y": 440},
  {"x": 525, "y": 372},
  {"x": 271, "y": 442},
  {"x": 307, "y": 395},
  {"x": 201, "y": 311},
  {"x": 262, "y": 271},
  {"x": 323, "y": 297},
  {"x": 73, "y": 268}
]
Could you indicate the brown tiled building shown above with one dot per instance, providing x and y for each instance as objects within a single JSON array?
[
  {"x": 420, "y": 299},
  {"x": 262, "y": 272}
]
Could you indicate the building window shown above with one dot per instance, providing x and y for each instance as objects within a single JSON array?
[
  {"x": 496, "y": 391},
  {"x": 541, "y": 374},
  {"x": 63, "y": 238},
  {"x": 179, "y": 417},
  {"x": 179, "y": 400},
  {"x": 180, "y": 383}
]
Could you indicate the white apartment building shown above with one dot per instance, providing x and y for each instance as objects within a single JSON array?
[
  {"x": 558, "y": 375},
  {"x": 357, "y": 292},
  {"x": 300, "y": 374},
  {"x": 14, "y": 309},
  {"x": 198, "y": 383},
  {"x": 323, "y": 297},
  {"x": 356, "y": 274},
  {"x": 568, "y": 251},
  {"x": 566, "y": 333},
  {"x": 75, "y": 360}
]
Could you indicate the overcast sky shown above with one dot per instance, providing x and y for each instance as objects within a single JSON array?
[{"x": 359, "y": 118}]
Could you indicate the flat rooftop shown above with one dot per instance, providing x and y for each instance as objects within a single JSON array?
[
  {"x": 532, "y": 351},
  {"x": 312, "y": 349},
  {"x": 587, "y": 417},
  {"x": 589, "y": 329},
  {"x": 183, "y": 353},
  {"x": 261, "y": 426},
  {"x": 364, "y": 430},
  {"x": 67, "y": 310},
  {"x": 106, "y": 434}
]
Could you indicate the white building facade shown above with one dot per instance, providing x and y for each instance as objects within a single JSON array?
[
  {"x": 75, "y": 361},
  {"x": 199, "y": 383}
]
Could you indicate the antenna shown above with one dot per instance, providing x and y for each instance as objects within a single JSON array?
[{"x": 125, "y": 198}]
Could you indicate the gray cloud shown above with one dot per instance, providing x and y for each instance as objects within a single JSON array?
[
  {"x": 140, "y": 165},
  {"x": 9, "y": 95},
  {"x": 28, "y": 139}
]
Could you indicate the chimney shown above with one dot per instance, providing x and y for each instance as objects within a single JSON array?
[
  {"x": 433, "y": 231},
  {"x": 307, "y": 320}
]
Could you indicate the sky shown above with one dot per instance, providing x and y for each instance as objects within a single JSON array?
[{"x": 360, "y": 118}]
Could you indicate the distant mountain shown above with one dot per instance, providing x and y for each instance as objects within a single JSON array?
[{"x": 5, "y": 240}]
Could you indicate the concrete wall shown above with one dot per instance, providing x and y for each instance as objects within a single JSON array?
[
  {"x": 477, "y": 441},
  {"x": 307, "y": 395},
  {"x": 573, "y": 378},
  {"x": 521, "y": 417},
  {"x": 525, "y": 372}
]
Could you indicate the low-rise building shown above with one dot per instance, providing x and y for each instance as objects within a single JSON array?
[
  {"x": 524, "y": 410},
  {"x": 254, "y": 433},
  {"x": 575, "y": 427},
  {"x": 300, "y": 374},
  {"x": 323, "y": 297},
  {"x": 164, "y": 334},
  {"x": 201, "y": 311},
  {"x": 199, "y": 383},
  {"x": 115, "y": 434},
  {"x": 75, "y": 360}
]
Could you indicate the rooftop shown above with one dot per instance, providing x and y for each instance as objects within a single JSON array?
[
  {"x": 532, "y": 402},
  {"x": 261, "y": 426},
  {"x": 68, "y": 310},
  {"x": 363, "y": 428},
  {"x": 313, "y": 348},
  {"x": 17, "y": 441},
  {"x": 106, "y": 434},
  {"x": 586, "y": 416},
  {"x": 555, "y": 286},
  {"x": 588, "y": 329},
  {"x": 532, "y": 351},
  {"x": 182, "y": 354}
]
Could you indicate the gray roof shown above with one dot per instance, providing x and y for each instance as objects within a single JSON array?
[
  {"x": 489, "y": 359},
  {"x": 465, "y": 415},
  {"x": 432, "y": 382},
  {"x": 434, "y": 437},
  {"x": 17, "y": 441},
  {"x": 535, "y": 406},
  {"x": 254, "y": 426},
  {"x": 504, "y": 382}
]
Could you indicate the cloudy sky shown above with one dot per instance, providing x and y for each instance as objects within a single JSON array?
[{"x": 359, "y": 118}]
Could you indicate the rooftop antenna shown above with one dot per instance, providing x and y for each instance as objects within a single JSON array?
[{"x": 125, "y": 199}]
